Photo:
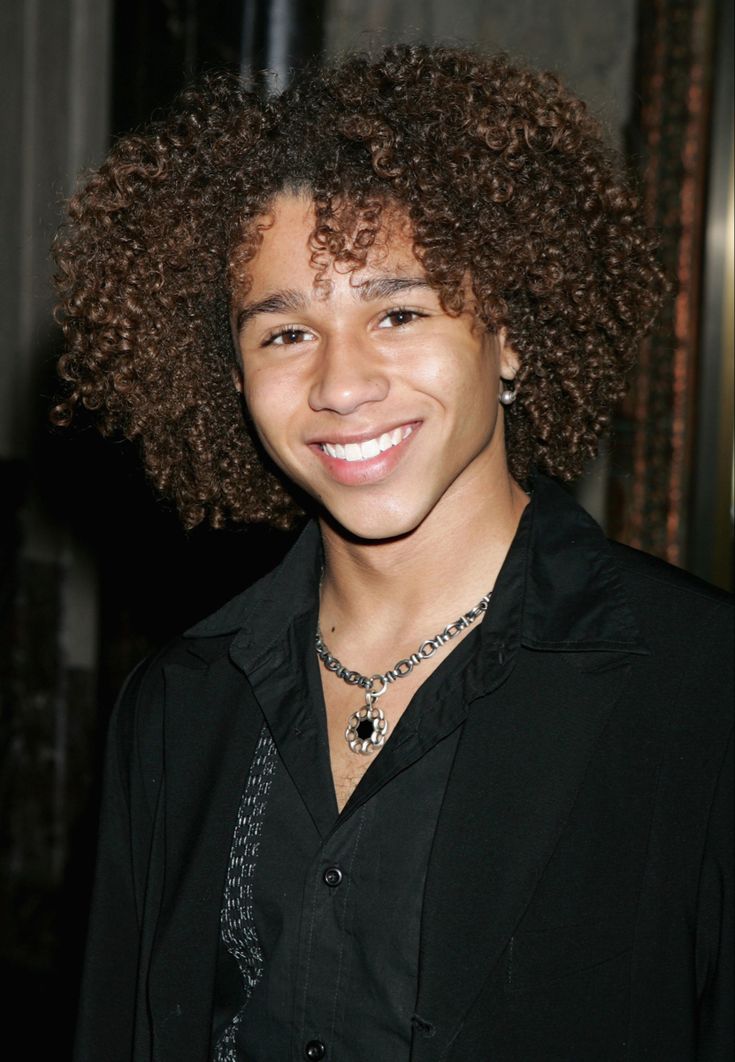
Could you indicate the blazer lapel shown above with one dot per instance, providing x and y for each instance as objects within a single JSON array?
[
  {"x": 211, "y": 728},
  {"x": 519, "y": 765}
]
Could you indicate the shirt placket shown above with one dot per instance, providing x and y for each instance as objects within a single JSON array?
[{"x": 324, "y": 974}]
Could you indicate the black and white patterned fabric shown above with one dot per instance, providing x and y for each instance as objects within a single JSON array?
[{"x": 238, "y": 923}]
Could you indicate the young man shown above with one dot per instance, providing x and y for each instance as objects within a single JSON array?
[{"x": 452, "y": 782}]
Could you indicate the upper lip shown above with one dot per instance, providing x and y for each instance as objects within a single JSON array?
[{"x": 342, "y": 438}]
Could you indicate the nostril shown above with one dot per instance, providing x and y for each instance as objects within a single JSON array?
[{"x": 345, "y": 396}]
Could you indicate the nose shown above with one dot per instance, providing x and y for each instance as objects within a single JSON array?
[{"x": 347, "y": 377}]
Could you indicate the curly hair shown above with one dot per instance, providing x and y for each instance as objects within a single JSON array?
[{"x": 504, "y": 178}]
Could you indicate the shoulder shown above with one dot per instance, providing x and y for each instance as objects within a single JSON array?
[
  {"x": 207, "y": 641},
  {"x": 672, "y": 601},
  {"x": 655, "y": 577},
  {"x": 687, "y": 625},
  {"x": 678, "y": 613},
  {"x": 137, "y": 719},
  {"x": 196, "y": 648}
]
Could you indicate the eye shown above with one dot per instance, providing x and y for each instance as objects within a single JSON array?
[
  {"x": 286, "y": 337},
  {"x": 398, "y": 317}
]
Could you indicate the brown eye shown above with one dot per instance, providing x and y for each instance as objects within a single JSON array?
[
  {"x": 288, "y": 336},
  {"x": 396, "y": 318}
]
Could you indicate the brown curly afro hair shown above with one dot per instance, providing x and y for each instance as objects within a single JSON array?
[{"x": 504, "y": 178}]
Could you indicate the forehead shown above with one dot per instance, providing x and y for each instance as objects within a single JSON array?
[{"x": 286, "y": 254}]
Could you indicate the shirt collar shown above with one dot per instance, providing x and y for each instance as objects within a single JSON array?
[
  {"x": 559, "y": 589},
  {"x": 570, "y": 585},
  {"x": 260, "y": 615}
]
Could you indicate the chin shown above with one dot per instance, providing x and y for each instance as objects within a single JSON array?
[{"x": 375, "y": 523}]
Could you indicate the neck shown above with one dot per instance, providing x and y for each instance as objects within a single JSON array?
[{"x": 421, "y": 580}]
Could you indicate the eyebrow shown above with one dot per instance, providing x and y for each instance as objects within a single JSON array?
[
  {"x": 291, "y": 300},
  {"x": 276, "y": 302}
]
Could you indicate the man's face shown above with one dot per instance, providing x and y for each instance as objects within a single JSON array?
[{"x": 369, "y": 396}]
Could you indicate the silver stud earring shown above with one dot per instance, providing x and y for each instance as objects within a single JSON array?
[{"x": 507, "y": 395}]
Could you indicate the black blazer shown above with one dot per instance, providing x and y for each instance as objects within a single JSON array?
[{"x": 578, "y": 904}]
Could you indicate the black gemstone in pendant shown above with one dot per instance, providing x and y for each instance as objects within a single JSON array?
[{"x": 365, "y": 729}]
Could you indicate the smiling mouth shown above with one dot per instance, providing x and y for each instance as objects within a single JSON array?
[{"x": 369, "y": 448}]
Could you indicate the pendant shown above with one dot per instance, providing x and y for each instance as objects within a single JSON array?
[{"x": 367, "y": 728}]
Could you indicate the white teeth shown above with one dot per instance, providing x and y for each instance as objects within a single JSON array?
[
  {"x": 384, "y": 441},
  {"x": 370, "y": 448}
]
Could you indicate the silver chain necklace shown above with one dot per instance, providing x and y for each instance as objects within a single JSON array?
[{"x": 367, "y": 728}]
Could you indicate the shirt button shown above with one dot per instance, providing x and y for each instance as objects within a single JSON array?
[
  {"x": 314, "y": 1049},
  {"x": 332, "y": 877}
]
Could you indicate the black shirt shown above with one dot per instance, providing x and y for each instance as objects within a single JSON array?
[
  {"x": 322, "y": 911},
  {"x": 578, "y": 897}
]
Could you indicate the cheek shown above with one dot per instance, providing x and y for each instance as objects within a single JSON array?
[
  {"x": 274, "y": 400},
  {"x": 462, "y": 381},
  {"x": 472, "y": 400},
  {"x": 269, "y": 396}
]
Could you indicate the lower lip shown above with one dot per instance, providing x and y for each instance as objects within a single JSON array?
[{"x": 372, "y": 470}]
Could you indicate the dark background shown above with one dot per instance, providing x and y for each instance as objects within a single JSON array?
[{"x": 95, "y": 570}]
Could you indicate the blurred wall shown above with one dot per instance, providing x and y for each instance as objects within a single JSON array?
[
  {"x": 671, "y": 484},
  {"x": 591, "y": 45},
  {"x": 54, "y": 73}
]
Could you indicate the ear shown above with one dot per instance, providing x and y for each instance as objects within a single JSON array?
[
  {"x": 508, "y": 361},
  {"x": 236, "y": 374}
]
